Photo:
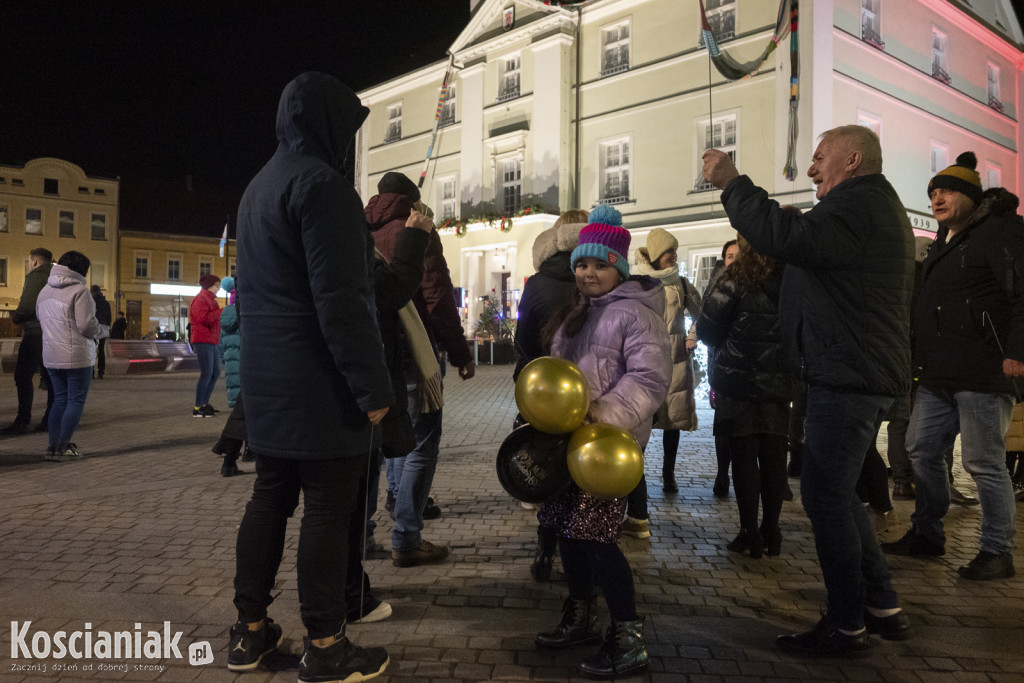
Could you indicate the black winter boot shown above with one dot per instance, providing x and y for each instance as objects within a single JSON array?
[
  {"x": 547, "y": 541},
  {"x": 578, "y": 626},
  {"x": 623, "y": 652}
]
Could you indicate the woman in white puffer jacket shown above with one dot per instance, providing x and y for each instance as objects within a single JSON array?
[{"x": 67, "y": 313}]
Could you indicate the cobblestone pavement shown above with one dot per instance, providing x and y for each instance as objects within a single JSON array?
[{"x": 143, "y": 531}]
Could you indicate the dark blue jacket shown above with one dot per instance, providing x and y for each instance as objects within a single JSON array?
[
  {"x": 845, "y": 300},
  {"x": 312, "y": 362}
]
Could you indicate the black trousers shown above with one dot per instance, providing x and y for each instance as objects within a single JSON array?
[
  {"x": 30, "y": 362},
  {"x": 587, "y": 563},
  {"x": 758, "y": 473},
  {"x": 330, "y": 489}
]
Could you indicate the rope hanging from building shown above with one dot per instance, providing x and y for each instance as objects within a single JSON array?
[{"x": 734, "y": 70}]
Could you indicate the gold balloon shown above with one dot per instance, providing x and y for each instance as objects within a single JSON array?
[
  {"x": 605, "y": 461},
  {"x": 552, "y": 395}
]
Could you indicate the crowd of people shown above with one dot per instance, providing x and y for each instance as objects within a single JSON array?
[{"x": 820, "y": 325}]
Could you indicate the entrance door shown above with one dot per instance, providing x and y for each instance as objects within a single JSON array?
[{"x": 133, "y": 313}]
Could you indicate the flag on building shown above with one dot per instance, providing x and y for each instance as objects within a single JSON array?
[{"x": 224, "y": 240}]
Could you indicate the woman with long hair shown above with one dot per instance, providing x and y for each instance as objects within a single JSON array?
[{"x": 739, "y": 322}]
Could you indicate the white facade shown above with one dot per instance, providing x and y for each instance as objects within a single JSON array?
[{"x": 609, "y": 101}]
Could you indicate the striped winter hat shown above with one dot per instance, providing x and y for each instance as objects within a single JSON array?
[
  {"x": 961, "y": 177},
  {"x": 604, "y": 238}
]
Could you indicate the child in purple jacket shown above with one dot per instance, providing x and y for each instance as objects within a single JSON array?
[{"x": 616, "y": 335}]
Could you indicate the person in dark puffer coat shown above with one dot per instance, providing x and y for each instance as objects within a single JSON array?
[
  {"x": 739, "y": 321},
  {"x": 546, "y": 292}
]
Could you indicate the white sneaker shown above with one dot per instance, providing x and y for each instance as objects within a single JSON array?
[{"x": 379, "y": 613}]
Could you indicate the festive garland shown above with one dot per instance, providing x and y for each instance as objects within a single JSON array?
[{"x": 493, "y": 220}]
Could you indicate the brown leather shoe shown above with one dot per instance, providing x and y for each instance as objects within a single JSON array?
[{"x": 424, "y": 553}]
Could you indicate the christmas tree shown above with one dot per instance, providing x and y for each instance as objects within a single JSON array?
[{"x": 491, "y": 325}]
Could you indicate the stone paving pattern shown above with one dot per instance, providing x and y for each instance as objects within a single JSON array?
[{"x": 143, "y": 530}]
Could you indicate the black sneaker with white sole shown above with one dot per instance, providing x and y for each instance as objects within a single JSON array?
[
  {"x": 246, "y": 648},
  {"x": 341, "y": 661}
]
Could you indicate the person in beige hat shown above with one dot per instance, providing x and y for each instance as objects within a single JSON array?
[{"x": 659, "y": 259}]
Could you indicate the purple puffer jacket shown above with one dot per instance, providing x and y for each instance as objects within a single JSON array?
[{"x": 623, "y": 350}]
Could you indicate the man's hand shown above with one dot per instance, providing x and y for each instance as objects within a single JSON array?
[
  {"x": 419, "y": 221},
  {"x": 468, "y": 370},
  {"x": 1013, "y": 368},
  {"x": 718, "y": 168},
  {"x": 375, "y": 416}
]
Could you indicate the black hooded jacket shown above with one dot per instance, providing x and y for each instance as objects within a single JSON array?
[
  {"x": 546, "y": 293},
  {"x": 972, "y": 301},
  {"x": 312, "y": 364}
]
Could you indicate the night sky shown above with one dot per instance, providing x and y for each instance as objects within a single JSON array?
[{"x": 161, "y": 89}]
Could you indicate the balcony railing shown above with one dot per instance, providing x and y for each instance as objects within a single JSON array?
[
  {"x": 506, "y": 95},
  {"x": 447, "y": 118},
  {"x": 940, "y": 74},
  {"x": 615, "y": 69},
  {"x": 995, "y": 103},
  {"x": 620, "y": 199},
  {"x": 702, "y": 185}
]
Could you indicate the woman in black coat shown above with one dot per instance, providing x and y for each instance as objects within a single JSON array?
[{"x": 739, "y": 322}]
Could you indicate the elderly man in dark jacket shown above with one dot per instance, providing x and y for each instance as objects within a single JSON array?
[
  {"x": 845, "y": 312},
  {"x": 314, "y": 380},
  {"x": 410, "y": 477},
  {"x": 969, "y": 348},
  {"x": 30, "y": 351}
]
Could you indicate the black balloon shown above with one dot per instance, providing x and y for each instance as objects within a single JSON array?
[{"x": 531, "y": 464}]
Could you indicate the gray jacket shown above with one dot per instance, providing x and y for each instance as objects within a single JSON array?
[{"x": 67, "y": 313}]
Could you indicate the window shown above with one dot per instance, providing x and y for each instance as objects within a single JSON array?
[
  {"x": 174, "y": 267},
  {"x": 97, "y": 274},
  {"x": 615, "y": 165},
  {"x": 510, "y": 71},
  {"x": 142, "y": 265},
  {"x": 940, "y": 66},
  {"x": 205, "y": 265},
  {"x": 703, "y": 265},
  {"x": 993, "y": 175},
  {"x": 721, "y": 16},
  {"x": 50, "y": 186},
  {"x": 447, "y": 199},
  {"x": 615, "y": 53},
  {"x": 511, "y": 185},
  {"x": 394, "y": 123},
  {"x": 99, "y": 226},
  {"x": 83, "y": 190},
  {"x": 100, "y": 191},
  {"x": 17, "y": 182},
  {"x": 67, "y": 224},
  {"x": 33, "y": 221},
  {"x": 721, "y": 134},
  {"x": 995, "y": 100},
  {"x": 3, "y": 219},
  {"x": 3, "y": 271},
  {"x": 870, "y": 22},
  {"x": 940, "y": 157},
  {"x": 448, "y": 108}
]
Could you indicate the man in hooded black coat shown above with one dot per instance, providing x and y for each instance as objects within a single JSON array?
[{"x": 314, "y": 380}]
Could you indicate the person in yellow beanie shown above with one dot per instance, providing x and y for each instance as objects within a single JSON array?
[{"x": 969, "y": 353}]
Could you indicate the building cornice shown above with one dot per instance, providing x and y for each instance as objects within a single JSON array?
[
  {"x": 971, "y": 25},
  {"x": 553, "y": 23},
  {"x": 427, "y": 75}
]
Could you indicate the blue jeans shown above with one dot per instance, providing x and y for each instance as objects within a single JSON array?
[
  {"x": 330, "y": 491},
  {"x": 209, "y": 371},
  {"x": 838, "y": 430},
  {"x": 70, "y": 388},
  {"x": 982, "y": 420},
  {"x": 413, "y": 476}
]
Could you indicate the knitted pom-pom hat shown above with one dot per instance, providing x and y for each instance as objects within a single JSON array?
[
  {"x": 961, "y": 177},
  {"x": 604, "y": 238}
]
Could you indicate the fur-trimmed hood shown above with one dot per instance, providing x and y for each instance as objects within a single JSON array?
[
  {"x": 668, "y": 276},
  {"x": 565, "y": 237}
]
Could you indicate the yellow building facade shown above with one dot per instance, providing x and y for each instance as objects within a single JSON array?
[
  {"x": 54, "y": 204},
  {"x": 171, "y": 264}
]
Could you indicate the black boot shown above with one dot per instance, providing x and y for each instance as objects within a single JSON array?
[
  {"x": 230, "y": 467},
  {"x": 623, "y": 652},
  {"x": 578, "y": 626},
  {"x": 547, "y": 541},
  {"x": 772, "y": 540},
  {"x": 748, "y": 540}
]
